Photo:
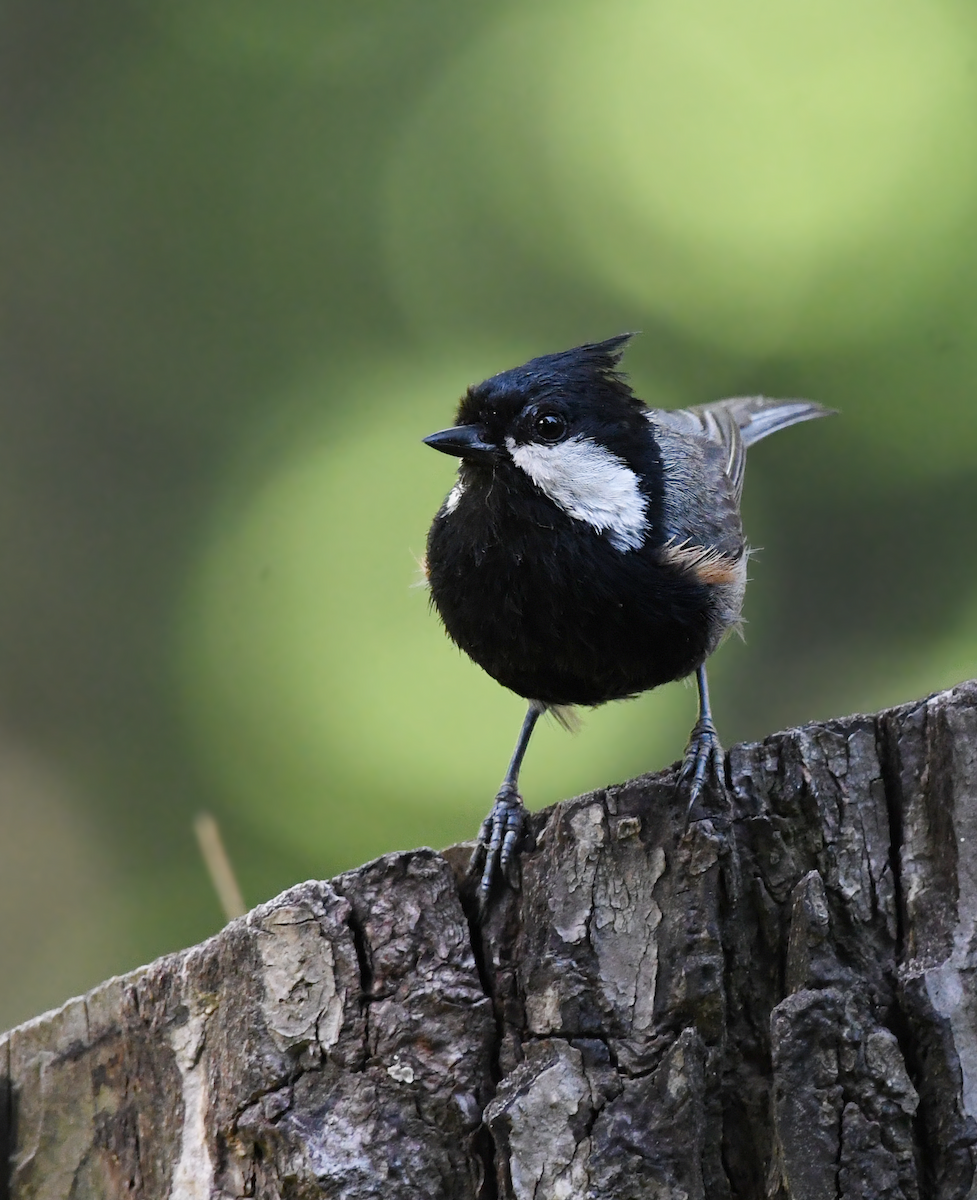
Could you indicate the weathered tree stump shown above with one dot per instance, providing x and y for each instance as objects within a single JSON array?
[{"x": 776, "y": 1002}]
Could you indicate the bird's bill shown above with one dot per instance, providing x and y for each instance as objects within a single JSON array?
[{"x": 463, "y": 441}]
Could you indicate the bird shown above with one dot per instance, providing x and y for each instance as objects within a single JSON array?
[{"x": 591, "y": 549}]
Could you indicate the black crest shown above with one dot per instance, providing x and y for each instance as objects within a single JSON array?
[
  {"x": 591, "y": 370},
  {"x": 592, "y": 365}
]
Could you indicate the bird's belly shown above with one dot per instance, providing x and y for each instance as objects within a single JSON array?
[{"x": 578, "y": 624}]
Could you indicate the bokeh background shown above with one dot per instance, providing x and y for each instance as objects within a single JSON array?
[{"x": 252, "y": 252}]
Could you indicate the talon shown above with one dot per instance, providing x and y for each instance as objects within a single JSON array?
[
  {"x": 507, "y": 858},
  {"x": 703, "y": 749},
  {"x": 477, "y": 860},
  {"x": 498, "y": 842}
]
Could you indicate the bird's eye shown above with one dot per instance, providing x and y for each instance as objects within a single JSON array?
[{"x": 550, "y": 427}]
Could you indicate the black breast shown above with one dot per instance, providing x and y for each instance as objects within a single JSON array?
[{"x": 550, "y": 609}]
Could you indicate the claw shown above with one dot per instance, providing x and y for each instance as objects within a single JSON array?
[
  {"x": 499, "y": 843},
  {"x": 703, "y": 749}
]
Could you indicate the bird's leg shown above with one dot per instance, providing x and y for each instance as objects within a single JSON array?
[
  {"x": 498, "y": 839},
  {"x": 704, "y": 747}
]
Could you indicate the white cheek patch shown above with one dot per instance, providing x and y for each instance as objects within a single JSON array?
[
  {"x": 590, "y": 484},
  {"x": 456, "y": 493}
]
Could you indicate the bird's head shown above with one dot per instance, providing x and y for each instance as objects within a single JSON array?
[
  {"x": 567, "y": 425},
  {"x": 572, "y": 396}
]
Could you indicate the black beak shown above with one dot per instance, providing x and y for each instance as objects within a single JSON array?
[{"x": 464, "y": 441}]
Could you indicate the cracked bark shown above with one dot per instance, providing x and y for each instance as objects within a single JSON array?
[{"x": 778, "y": 1002}]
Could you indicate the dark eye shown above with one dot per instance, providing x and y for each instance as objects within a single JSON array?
[{"x": 550, "y": 427}]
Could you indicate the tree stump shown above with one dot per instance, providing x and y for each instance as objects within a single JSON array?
[{"x": 776, "y": 1002}]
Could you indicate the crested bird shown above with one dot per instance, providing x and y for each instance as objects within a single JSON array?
[{"x": 591, "y": 547}]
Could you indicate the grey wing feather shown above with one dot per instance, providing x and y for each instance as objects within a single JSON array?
[
  {"x": 733, "y": 425},
  {"x": 704, "y": 456}
]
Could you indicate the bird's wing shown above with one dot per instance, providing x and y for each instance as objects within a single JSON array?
[
  {"x": 733, "y": 425},
  {"x": 704, "y": 456}
]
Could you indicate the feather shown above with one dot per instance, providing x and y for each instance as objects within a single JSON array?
[
  {"x": 709, "y": 564},
  {"x": 734, "y": 424}
]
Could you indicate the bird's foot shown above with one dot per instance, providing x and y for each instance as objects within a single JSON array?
[
  {"x": 499, "y": 843},
  {"x": 702, "y": 752}
]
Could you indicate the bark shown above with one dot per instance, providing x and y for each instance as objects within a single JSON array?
[{"x": 775, "y": 1002}]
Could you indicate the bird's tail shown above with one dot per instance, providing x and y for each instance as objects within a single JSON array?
[{"x": 757, "y": 416}]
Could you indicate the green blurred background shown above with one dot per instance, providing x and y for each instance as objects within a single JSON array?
[{"x": 252, "y": 252}]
